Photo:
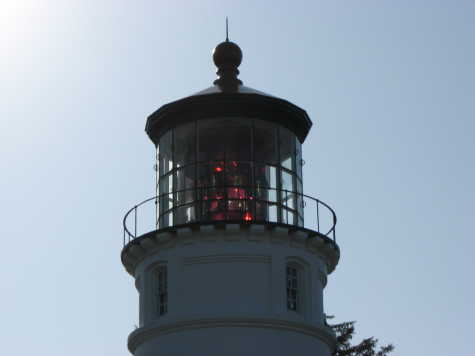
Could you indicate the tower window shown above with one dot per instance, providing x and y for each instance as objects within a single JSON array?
[
  {"x": 161, "y": 290},
  {"x": 293, "y": 285}
]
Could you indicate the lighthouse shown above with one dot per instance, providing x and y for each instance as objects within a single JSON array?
[{"x": 230, "y": 257}]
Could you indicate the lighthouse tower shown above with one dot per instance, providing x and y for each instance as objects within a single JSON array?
[{"x": 230, "y": 257}]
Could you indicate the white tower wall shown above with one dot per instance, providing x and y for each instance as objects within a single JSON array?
[{"x": 227, "y": 291}]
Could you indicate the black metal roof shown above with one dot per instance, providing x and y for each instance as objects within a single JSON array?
[{"x": 228, "y": 98}]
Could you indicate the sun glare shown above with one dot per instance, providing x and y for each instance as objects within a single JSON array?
[{"x": 19, "y": 20}]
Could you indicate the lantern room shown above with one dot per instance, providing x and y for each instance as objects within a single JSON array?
[
  {"x": 229, "y": 153},
  {"x": 229, "y": 168}
]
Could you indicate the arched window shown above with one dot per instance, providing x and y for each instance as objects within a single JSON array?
[{"x": 296, "y": 286}]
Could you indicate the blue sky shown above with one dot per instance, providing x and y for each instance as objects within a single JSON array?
[{"x": 389, "y": 86}]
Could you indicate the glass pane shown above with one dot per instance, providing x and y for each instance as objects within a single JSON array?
[
  {"x": 184, "y": 214},
  {"x": 288, "y": 197},
  {"x": 298, "y": 151},
  {"x": 288, "y": 216},
  {"x": 166, "y": 220},
  {"x": 166, "y": 197},
  {"x": 211, "y": 174},
  {"x": 212, "y": 203},
  {"x": 265, "y": 176},
  {"x": 212, "y": 193},
  {"x": 214, "y": 209},
  {"x": 211, "y": 140},
  {"x": 266, "y": 195},
  {"x": 166, "y": 200},
  {"x": 238, "y": 140},
  {"x": 185, "y": 145},
  {"x": 266, "y": 211},
  {"x": 238, "y": 209},
  {"x": 261, "y": 210},
  {"x": 238, "y": 173},
  {"x": 273, "y": 217},
  {"x": 239, "y": 193},
  {"x": 287, "y": 181},
  {"x": 265, "y": 135},
  {"x": 185, "y": 180},
  {"x": 165, "y": 153},
  {"x": 287, "y": 148},
  {"x": 224, "y": 139},
  {"x": 190, "y": 213},
  {"x": 291, "y": 202}
]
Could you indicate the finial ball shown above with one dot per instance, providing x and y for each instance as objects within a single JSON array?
[{"x": 227, "y": 54}]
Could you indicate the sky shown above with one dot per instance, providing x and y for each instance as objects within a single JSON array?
[{"x": 389, "y": 86}]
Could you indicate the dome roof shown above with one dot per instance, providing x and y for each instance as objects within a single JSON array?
[{"x": 228, "y": 98}]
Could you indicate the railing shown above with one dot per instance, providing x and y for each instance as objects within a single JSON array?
[{"x": 305, "y": 211}]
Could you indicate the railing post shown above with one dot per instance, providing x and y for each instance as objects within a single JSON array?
[
  {"x": 318, "y": 217},
  {"x": 156, "y": 212},
  {"x": 135, "y": 221},
  {"x": 286, "y": 208}
]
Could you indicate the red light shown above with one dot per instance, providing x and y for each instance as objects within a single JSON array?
[
  {"x": 218, "y": 169},
  {"x": 247, "y": 216}
]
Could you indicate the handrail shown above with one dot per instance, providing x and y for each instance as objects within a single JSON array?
[
  {"x": 129, "y": 236},
  {"x": 225, "y": 161}
]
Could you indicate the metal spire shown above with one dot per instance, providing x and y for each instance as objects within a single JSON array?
[{"x": 227, "y": 30}]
